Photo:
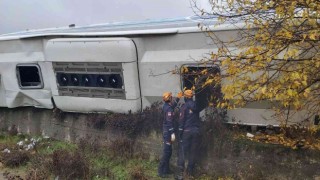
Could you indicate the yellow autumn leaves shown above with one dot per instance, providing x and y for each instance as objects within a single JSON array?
[{"x": 278, "y": 58}]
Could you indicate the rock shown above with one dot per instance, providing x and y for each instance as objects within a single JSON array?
[
  {"x": 29, "y": 147},
  {"x": 6, "y": 150},
  {"x": 249, "y": 135},
  {"x": 20, "y": 143}
]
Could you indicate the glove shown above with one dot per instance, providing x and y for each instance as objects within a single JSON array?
[
  {"x": 173, "y": 137},
  {"x": 180, "y": 94}
]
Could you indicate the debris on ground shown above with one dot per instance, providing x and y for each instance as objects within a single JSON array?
[
  {"x": 28, "y": 144},
  {"x": 6, "y": 150},
  {"x": 249, "y": 135},
  {"x": 294, "y": 137}
]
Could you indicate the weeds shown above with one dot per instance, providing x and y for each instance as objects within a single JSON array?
[
  {"x": 137, "y": 173},
  {"x": 132, "y": 124},
  {"x": 70, "y": 165},
  {"x": 49, "y": 146},
  {"x": 40, "y": 169},
  {"x": 15, "y": 158},
  {"x": 10, "y": 176},
  {"x": 215, "y": 131},
  {"x": 122, "y": 147},
  {"x": 89, "y": 144}
]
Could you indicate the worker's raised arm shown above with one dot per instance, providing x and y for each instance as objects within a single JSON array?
[
  {"x": 182, "y": 120},
  {"x": 176, "y": 100}
]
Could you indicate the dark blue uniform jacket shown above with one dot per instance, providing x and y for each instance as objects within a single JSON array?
[
  {"x": 189, "y": 116},
  {"x": 168, "y": 110}
]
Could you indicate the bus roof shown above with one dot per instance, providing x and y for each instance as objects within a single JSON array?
[{"x": 161, "y": 26}]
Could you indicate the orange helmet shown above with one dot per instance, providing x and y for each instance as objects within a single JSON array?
[
  {"x": 166, "y": 96},
  {"x": 188, "y": 93}
]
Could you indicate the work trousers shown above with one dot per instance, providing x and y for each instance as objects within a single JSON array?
[
  {"x": 163, "y": 168},
  {"x": 187, "y": 150}
]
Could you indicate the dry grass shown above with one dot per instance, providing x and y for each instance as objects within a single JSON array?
[
  {"x": 15, "y": 158},
  {"x": 70, "y": 165}
]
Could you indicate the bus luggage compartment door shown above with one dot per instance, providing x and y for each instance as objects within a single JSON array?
[{"x": 94, "y": 74}]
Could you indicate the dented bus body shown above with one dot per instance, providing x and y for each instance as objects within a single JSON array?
[{"x": 116, "y": 67}]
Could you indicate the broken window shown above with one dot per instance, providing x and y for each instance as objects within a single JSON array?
[
  {"x": 194, "y": 77},
  {"x": 29, "y": 76}
]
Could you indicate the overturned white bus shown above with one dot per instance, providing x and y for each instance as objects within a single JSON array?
[{"x": 117, "y": 67}]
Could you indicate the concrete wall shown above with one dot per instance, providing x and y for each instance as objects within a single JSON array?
[{"x": 68, "y": 126}]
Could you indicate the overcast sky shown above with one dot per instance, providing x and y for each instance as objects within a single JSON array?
[{"x": 19, "y": 15}]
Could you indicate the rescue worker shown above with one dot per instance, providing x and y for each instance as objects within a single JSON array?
[
  {"x": 189, "y": 133},
  {"x": 168, "y": 131}
]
